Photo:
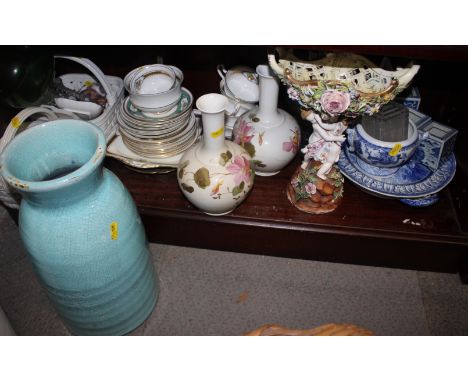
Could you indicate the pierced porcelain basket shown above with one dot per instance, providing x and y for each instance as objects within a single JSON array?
[{"x": 364, "y": 86}]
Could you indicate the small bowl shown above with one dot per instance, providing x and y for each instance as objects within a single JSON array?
[
  {"x": 380, "y": 153},
  {"x": 149, "y": 95},
  {"x": 241, "y": 82}
]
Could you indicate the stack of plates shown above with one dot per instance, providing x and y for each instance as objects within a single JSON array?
[{"x": 159, "y": 135}]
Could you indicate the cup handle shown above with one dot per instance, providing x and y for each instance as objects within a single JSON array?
[
  {"x": 233, "y": 114},
  {"x": 221, "y": 71}
]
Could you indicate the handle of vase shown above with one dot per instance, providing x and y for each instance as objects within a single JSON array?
[{"x": 221, "y": 71}]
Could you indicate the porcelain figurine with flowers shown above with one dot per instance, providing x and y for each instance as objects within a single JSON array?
[{"x": 331, "y": 92}]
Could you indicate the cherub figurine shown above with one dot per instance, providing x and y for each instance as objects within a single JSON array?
[{"x": 324, "y": 143}]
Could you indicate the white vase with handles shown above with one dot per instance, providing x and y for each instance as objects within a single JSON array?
[
  {"x": 215, "y": 175},
  {"x": 269, "y": 134}
]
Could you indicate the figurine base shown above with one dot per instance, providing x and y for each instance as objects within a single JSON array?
[{"x": 310, "y": 194}]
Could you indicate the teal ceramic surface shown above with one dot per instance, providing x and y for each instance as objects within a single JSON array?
[{"x": 81, "y": 228}]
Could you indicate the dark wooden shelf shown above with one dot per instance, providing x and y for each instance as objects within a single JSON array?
[{"x": 363, "y": 230}]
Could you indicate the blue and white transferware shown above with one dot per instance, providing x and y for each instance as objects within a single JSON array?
[
  {"x": 413, "y": 180},
  {"x": 80, "y": 228},
  {"x": 380, "y": 153}
]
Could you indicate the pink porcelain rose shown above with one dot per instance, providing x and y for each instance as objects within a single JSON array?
[{"x": 335, "y": 102}]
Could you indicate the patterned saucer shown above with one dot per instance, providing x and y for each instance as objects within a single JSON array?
[{"x": 413, "y": 180}]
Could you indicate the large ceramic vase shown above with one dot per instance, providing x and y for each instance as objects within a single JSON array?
[
  {"x": 81, "y": 228},
  {"x": 269, "y": 134},
  {"x": 215, "y": 175}
]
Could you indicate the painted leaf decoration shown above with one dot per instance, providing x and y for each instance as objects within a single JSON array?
[
  {"x": 238, "y": 189},
  {"x": 202, "y": 177},
  {"x": 250, "y": 148},
  {"x": 182, "y": 168},
  {"x": 187, "y": 188},
  {"x": 259, "y": 163},
  {"x": 225, "y": 157}
]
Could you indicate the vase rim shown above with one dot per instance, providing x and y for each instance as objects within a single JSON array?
[
  {"x": 412, "y": 136},
  {"x": 212, "y": 103},
  {"x": 70, "y": 178}
]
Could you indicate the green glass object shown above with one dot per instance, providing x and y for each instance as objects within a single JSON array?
[{"x": 26, "y": 76}]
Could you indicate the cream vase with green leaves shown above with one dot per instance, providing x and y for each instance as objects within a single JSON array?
[{"x": 215, "y": 175}]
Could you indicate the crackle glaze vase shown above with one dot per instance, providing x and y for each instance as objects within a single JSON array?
[
  {"x": 269, "y": 134},
  {"x": 215, "y": 175},
  {"x": 81, "y": 228}
]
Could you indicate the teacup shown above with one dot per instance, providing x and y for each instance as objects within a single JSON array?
[
  {"x": 380, "y": 153},
  {"x": 151, "y": 79},
  {"x": 241, "y": 82},
  {"x": 154, "y": 88}
]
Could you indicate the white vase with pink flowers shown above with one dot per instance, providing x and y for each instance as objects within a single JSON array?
[
  {"x": 215, "y": 175},
  {"x": 269, "y": 134}
]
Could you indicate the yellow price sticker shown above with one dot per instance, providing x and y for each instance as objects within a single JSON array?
[
  {"x": 114, "y": 230},
  {"x": 395, "y": 150},
  {"x": 16, "y": 122},
  {"x": 218, "y": 133}
]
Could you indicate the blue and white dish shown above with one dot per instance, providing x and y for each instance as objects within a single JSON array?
[
  {"x": 421, "y": 202},
  {"x": 380, "y": 153},
  {"x": 413, "y": 180}
]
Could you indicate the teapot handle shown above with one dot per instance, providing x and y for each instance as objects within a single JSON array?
[{"x": 221, "y": 71}]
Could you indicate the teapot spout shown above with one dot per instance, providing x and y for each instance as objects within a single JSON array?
[{"x": 404, "y": 76}]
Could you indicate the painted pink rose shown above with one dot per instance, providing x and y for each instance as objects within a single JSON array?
[
  {"x": 310, "y": 188},
  {"x": 243, "y": 133},
  {"x": 334, "y": 102},
  {"x": 240, "y": 168}
]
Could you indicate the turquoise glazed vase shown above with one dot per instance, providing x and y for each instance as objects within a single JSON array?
[{"x": 81, "y": 228}]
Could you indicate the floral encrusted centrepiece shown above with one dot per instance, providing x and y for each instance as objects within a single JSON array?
[
  {"x": 333, "y": 98},
  {"x": 310, "y": 193}
]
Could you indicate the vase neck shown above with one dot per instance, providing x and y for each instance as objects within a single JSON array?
[
  {"x": 213, "y": 131},
  {"x": 56, "y": 163},
  {"x": 73, "y": 189},
  {"x": 268, "y": 101}
]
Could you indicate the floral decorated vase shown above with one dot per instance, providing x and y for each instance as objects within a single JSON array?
[
  {"x": 215, "y": 175},
  {"x": 269, "y": 134},
  {"x": 80, "y": 228}
]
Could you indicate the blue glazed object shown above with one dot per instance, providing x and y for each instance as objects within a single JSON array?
[
  {"x": 421, "y": 202},
  {"x": 81, "y": 228},
  {"x": 413, "y": 180},
  {"x": 382, "y": 154}
]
